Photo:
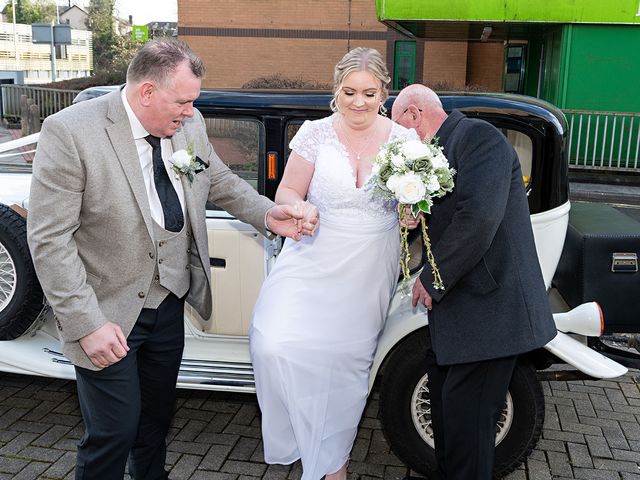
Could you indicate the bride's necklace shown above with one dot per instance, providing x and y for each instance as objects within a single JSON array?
[{"x": 364, "y": 143}]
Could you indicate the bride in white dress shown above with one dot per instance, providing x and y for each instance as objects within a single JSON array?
[{"x": 319, "y": 314}]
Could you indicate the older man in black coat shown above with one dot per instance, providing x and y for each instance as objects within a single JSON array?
[{"x": 494, "y": 305}]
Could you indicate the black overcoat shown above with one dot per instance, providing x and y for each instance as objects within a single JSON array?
[{"x": 494, "y": 303}]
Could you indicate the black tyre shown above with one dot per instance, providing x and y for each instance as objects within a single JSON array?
[
  {"x": 406, "y": 415},
  {"x": 21, "y": 297}
]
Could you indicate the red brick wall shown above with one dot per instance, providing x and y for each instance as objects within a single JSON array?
[
  {"x": 445, "y": 63},
  {"x": 485, "y": 65},
  {"x": 313, "y": 36}
]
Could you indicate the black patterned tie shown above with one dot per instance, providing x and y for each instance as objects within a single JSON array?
[{"x": 173, "y": 218}]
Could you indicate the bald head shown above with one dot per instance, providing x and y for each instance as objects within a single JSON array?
[{"x": 418, "y": 107}]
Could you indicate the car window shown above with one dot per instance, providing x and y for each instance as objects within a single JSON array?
[
  {"x": 292, "y": 129},
  {"x": 523, "y": 145},
  {"x": 240, "y": 145}
]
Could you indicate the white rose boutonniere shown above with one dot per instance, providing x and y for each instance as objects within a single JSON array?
[{"x": 184, "y": 162}]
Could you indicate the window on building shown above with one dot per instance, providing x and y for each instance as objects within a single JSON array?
[
  {"x": 404, "y": 69},
  {"x": 514, "y": 68}
]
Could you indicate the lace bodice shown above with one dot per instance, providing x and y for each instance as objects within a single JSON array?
[{"x": 333, "y": 186}]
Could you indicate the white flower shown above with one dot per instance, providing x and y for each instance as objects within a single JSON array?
[
  {"x": 413, "y": 149},
  {"x": 410, "y": 189},
  {"x": 433, "y": 185},
  {"x": 397, "y": 161},
  {"x": 181, "y": 158},
  {"x": 439, "y": 161},
  {"x": 375, "y": 169},
  {"x": 392, "y": 183}
]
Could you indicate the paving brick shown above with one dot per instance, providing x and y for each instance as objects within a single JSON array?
[
  {"x": 628, "y": 455},
  {"x": 395, "y": 473},
  {"x": 582, "y": 428},
  {"x": 185, "y": 467},
  {"x": 538, "y": 470},
  {"x": 579, "y": 455},
  {"x": 245, "y": 414},
  {"x": 11, "y": 416},
  {"x": 206, "y": 475},
  {"x": 595, "y": 474},
  {"x": 276, "y": 472},
  {"x": 188, "y": 447},
  {"x": 244, "y": 448},
  {"x": 41, "y": 454},
  {"x": 18, "y": 443},
  {"x": 244, "y": 468},
  {"x": 598, "y": 446},
  {"x": 366, "y": 468},
  {"x": 215, "y": 457},
  {"x": 553, "y": 445},
  {"x": 32, "y": 471},
  {"x": 600, "y": 402},
  {"x": 567, "y": 414},
  {"x": 51, "y": 436},
  {"x": 563, "y": 436},
  {"x": 630, "y": 476},
  {"x": 559, "y": 464},
  {"x": 615, "y": 465},
  {"x": 615, "y": 437},
  {"x": 62, "y": 467}
]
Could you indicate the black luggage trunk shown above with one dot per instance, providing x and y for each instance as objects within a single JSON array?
[{"x": 599, "y": 263}]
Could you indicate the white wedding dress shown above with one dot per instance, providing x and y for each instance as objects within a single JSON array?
[{"x": 320, "y": 311}]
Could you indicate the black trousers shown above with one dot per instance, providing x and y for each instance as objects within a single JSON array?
[
  {"x": 127, "y": 407},
  {"x": 466, "y": 402}
]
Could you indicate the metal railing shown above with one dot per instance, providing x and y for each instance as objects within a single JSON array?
[
  {"x": 49, "y": 100},
  {"x": 604, "y": 140}
]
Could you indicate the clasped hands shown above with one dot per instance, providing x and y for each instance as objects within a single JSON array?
[{"x": 293, "y": 221}]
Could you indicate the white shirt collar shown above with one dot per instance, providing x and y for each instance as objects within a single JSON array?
[{"x": 138, "y": 131}]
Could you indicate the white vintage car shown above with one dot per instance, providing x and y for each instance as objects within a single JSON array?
[{"x": 251, "y": 132}]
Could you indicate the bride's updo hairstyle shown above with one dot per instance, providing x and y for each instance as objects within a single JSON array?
[{"x": 361, "y": 59}]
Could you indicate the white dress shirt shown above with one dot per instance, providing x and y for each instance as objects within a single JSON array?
[{"x": 146, "y": 163}]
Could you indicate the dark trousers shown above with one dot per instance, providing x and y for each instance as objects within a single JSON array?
[
  {"x": 127, "y": 407},
  {"x": 466, "y": 402}
]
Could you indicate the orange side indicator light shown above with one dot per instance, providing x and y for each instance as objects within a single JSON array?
[{"x": 272, "y": 162}]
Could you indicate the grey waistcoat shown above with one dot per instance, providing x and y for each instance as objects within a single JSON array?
[{"x": 172, "y": 264}]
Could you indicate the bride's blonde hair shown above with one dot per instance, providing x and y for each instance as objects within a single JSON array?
[{"x": 357, "y": 60}]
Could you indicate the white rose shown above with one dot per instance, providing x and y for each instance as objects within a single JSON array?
[
  {"x": 375, "y": 169},
  {"x": 397, "y": 161},
  {"x": 392, "y": 182},
  {"x": 181, "y": 158},
  {"x": 413, "y": 149},
  {"x": 433, "y": 185},
  {"x": 440, "y": 161},
  {"x": 410, "y": 189}
]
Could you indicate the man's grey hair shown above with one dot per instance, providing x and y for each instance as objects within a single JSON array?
[{"x": 158, "y": 59}]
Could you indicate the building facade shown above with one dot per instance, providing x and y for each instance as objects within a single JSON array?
[
  {"x": 25, "y": 62},
  {"x": 240, "y": 40}
]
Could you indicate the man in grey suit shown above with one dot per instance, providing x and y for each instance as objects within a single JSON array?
[
  {"x": 119, "y": 243},
  {"x": 494, "y": 305}
]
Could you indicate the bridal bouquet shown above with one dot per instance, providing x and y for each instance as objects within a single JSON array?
[{"x": 413, "y": 173}]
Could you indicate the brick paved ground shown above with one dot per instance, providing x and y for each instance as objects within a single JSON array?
[{"x": 592, "y": 431}]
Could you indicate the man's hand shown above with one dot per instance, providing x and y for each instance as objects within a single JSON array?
[
  {"x": 408, "y": 220},
  {"x": 285, "y": 220},
  {"x": 420, "y": 295},
  {"x": 105, "y": 346}
]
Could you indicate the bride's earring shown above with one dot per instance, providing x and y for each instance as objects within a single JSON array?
[{"x": 382, "y": 110}]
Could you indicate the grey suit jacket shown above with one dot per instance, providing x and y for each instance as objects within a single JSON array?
[
  {"x": 495, "y": 303},
  {"x": 89, "y": 224}
]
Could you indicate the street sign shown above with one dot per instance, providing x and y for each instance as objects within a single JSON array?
[
  {"x": 41, "y": 33},
  {"x": 140, "y": 33}
]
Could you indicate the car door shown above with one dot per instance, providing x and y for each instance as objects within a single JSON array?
[{"x": 240, "y": 257}]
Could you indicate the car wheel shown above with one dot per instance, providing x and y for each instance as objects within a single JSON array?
[
  {"x": 405, "y": 411},
  {"x": 21, "y": 297}
]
